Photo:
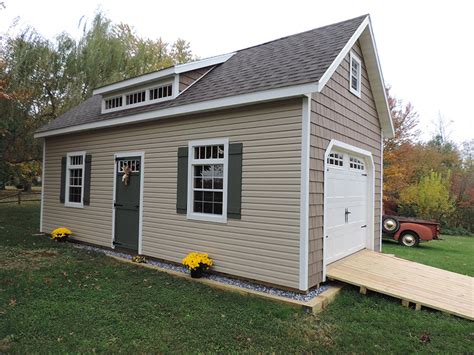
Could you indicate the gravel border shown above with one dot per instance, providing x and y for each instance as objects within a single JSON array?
[{"x": 218, "y": 278}]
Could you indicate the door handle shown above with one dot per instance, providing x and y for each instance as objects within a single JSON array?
[{"x": 346, "y": 215}]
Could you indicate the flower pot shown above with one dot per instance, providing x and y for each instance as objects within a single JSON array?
[{"x": 196, "y": 273}]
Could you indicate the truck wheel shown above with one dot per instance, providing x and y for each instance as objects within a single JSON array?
[
  {"x": 390, "y": 225},
  {"x": 409, "y": 239}
]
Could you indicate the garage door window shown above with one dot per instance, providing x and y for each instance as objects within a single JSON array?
[
  {"x": 356, "y": 164},
  {"x": 336, "y": 159}
]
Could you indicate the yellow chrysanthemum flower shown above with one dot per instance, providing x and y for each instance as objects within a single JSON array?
[
  {"x": 60, "y": 233},
  {"x": 195, "y": 260}
]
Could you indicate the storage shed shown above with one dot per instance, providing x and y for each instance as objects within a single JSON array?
[{"x": 268, "y": 158}]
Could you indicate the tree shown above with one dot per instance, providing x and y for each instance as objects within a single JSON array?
[
  {"x": 41, "y": 79},
  {"x": 398, "y": 151},
  {"x": 428, "y": 199}
]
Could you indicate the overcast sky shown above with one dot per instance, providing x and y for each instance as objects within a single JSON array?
[{"x": 425, "y": 47}]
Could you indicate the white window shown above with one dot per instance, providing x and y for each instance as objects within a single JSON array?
[
  {"x": 356, "y": 164},
  {"x": 336, "y": 159},
  {"x": 355, "y": 74},
  {"x": 207, "y": 180},
  {"x": 75, "y": 179}
]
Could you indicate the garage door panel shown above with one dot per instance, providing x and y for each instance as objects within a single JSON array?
[{"x": 346, "y": 190}]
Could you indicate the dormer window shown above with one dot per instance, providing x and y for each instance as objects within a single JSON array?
[
  {"x": 135, "y": 98},
  {"x": 139, "y": 97},
  {"x": 355, "y": 74},
  {"x": 161, "y": 92},
  {"x": 113, "y": 102}
]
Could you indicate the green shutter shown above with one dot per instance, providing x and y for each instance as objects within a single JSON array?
[
  {"x": 62, "y": 191},
  {"x": 87, "y": 180},
  {"x": 182, "y": 188},
  {"x": 234, "y": 185}
]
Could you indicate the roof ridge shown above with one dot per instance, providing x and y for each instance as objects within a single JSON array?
[{"x": 302, "y": 32}]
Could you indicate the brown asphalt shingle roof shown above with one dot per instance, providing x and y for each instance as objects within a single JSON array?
[{"x": 297, "y": 59}]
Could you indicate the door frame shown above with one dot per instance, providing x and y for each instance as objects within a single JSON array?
[
  {"x": 370, "y": 169},
  {"x": 140, "y": 211}
]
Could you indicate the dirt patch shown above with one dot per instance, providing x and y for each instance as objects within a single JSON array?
[{"x": 17, "y": 259}]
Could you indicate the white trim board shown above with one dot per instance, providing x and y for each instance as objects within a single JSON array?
[
  {"x": 370, "y": 168},
  {"x": 140, "y": 154},
  {"x": 42, "y": 185},
  {"x": 205, "y": 106},
  {"x": 304, "y": 192}
]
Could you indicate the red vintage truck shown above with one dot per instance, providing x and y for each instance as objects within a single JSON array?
[{"x": 409, "y": 232}]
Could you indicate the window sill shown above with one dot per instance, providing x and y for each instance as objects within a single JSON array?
[
  {"x": 206, "y": 217},
  {"x": 355, "y": 92},
  {"x": 74, "y": 205}
]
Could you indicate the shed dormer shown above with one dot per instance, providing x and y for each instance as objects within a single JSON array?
[{"x": 162, "y": 85}]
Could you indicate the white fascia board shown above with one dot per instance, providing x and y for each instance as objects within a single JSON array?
[
  {"x": 365, "y": 34},
  {"x": 142, "y": 79},
  {"x": 222, "y": 103},
  {"x": 177, "y": 69},
  {"x": 342, "y": 54},
  {"x": 181, "y": 68}
]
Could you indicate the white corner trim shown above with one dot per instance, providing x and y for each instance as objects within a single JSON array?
[
  {"x": 381, "y": 188},
  {"x": 203, "y": 106},
  {"x": 304, "y": 191},
  {"x": 177, "y": 69},
  {"x": 195, "y": 81},
  {"x": 42, "y": 185},
  {"x": 140, "y": 154},
  {"x": 370, "y": 168},
  {"x": 190, "y": 192}
]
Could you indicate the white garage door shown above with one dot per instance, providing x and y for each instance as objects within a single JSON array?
[{"x": 346, "y": 205}]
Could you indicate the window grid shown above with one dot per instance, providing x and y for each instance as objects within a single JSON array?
[
  {"x": 113, "y": 102},
  {"x": 161, "y": 92},
  {"x": 135, "y": 98},
  {"x": 356, "y": 164},
  {"x": 355, "y": 74},
  {"x": 133, "y": 164},
  {"x": 336, "y": 159}
]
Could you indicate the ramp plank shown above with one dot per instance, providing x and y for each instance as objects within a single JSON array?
[{"x": 409, "y": 281}]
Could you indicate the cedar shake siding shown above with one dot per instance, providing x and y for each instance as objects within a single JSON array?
[
  {"x": 188, "y": 78},
  {"x": 263, "y": 245},
  {"x": 336, "y": 113}
]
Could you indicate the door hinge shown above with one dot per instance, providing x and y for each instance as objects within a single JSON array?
[
  {"x": 365, "y": 225},
  {"x": 364, "y": 174},
  {"x": 118, "y": 205}
]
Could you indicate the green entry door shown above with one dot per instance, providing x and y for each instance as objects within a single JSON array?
[{"x": 127, "y": 202}]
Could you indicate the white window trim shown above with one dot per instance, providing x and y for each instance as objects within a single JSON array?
[
  {"x": 355, "y": 57},
  {"x": 191, "y": 161},
  {"x": 68, "y": 166},
  {"x": 147, "y": 101}
]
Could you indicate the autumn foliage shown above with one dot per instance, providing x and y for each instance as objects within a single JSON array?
[{"x": 429, "y": 180}]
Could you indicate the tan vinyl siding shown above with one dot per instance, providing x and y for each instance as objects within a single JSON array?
[
  {"x": 339, "y": 114},
  {"x": 263, "y": 245},
  {"x": 187, "y": 78}
]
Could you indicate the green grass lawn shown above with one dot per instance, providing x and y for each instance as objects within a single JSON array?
[
  {"x": 453, "y": 253},
  {"x": 55, "y": 298}
]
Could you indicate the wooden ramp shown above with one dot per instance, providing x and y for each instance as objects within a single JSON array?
[{"x": 409, "y": 281}]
